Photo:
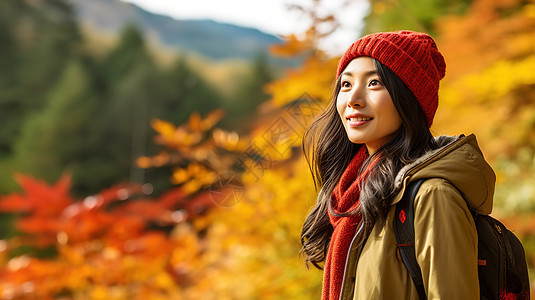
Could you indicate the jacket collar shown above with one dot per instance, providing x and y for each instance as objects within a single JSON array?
[{"x": 458, "y": 160}]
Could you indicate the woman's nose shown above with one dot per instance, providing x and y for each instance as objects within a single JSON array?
[{"x": 356, "y": 99}]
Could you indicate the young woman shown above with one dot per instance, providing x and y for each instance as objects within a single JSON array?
[{"x": 372, "y": 140}]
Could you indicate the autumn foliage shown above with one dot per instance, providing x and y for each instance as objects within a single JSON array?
[
  {"x": 186, "y": 243},
  {"x": 117, "y": 244}
]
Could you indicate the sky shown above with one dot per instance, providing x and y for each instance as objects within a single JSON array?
[{"x": 270, "y": 16}]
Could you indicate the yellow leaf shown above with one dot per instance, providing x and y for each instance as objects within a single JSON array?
[
  {"x": 164, "y": 128},
  {"x": 212, "y": 119}
]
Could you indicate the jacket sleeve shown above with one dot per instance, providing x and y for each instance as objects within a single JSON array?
[{"x": 445, "y": 242}]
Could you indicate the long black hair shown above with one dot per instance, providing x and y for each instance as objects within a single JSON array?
[{"x": 328, "y": 151}]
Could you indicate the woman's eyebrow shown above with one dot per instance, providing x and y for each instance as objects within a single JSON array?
[{"x": 368, "y": 73}]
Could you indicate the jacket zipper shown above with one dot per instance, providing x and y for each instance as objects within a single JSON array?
[{"x": 347, "y": 259}]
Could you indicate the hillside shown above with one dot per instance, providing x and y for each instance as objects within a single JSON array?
[{"x": 208, "y": 38}]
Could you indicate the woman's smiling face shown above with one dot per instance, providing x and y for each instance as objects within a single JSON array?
[{"x": 365, "y": 106}]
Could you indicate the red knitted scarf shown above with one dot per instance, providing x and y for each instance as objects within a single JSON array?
[{"x": 345, "y": 198}]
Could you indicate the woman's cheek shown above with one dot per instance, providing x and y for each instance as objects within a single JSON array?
[{"x": 340, "y": 105}]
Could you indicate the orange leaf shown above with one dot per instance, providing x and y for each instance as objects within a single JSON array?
[{"x": 194, "y": 122}]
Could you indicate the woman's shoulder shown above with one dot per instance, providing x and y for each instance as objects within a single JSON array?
[
  {"x": 439, "y": 196},
  {"x": 437, "y": 184}
]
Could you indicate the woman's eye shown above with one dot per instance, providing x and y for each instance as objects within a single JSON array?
[
  {"x": 374, "y": 82},
  {"x": 346, "y": 84}
]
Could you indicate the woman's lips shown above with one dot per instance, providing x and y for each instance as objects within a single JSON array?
[{"x": 355, "y": 122}]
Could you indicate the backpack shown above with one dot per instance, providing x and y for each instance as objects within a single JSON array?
[{"x": 502, "y": 267}]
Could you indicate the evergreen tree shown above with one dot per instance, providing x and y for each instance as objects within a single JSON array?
[
  {"x": 97, "y": 120},
  {"x": 249, "y": 95},
  {"x": 186, "y": 92},
  {"x": 36, "y": 41},
  {"x": 123, "y": 123},
  {"x": 173, "y": 95},
  {"x": 129, "y": 54},
  {"x": 61, "y": 137}
]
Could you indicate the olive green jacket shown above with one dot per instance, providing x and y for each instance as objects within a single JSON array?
[{"x": 445, "y": 233}]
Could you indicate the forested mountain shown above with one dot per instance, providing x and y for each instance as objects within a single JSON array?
[
  {"x": 206, "y": 37},
  {"x": 66, "y": 109}
]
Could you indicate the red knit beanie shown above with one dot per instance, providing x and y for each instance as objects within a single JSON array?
[{"x": 412, "y": 56}]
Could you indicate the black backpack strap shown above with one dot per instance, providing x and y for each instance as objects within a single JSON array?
[{"x": 404, "y": 230}]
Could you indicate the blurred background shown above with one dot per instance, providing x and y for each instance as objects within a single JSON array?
[{"x": 152, "y": 150}]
